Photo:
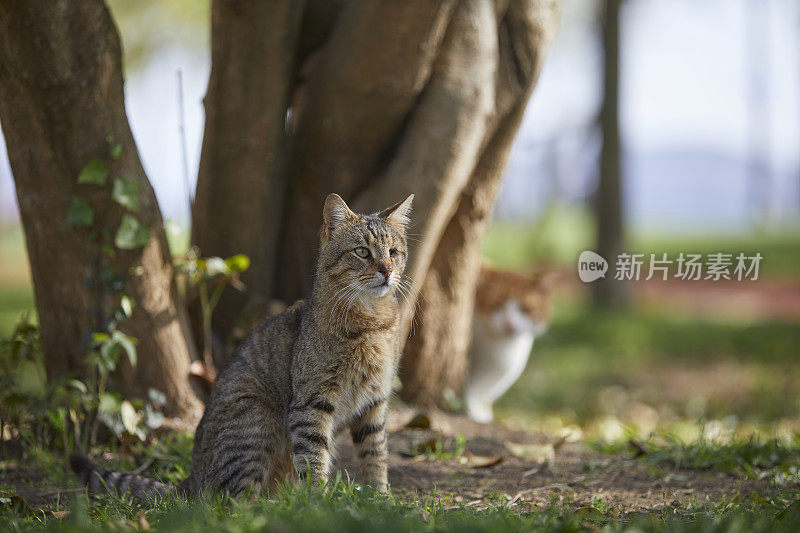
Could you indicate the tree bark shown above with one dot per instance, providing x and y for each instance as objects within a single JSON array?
[
  {"x": 609, "y": 292},
  {"x": 441, "y": 144},
  {"x": 435, "y": 358},
  {"x": 252, "y": 72},
  {"x": 366, "y": 80},
  {"x": 61, "y": 96}
]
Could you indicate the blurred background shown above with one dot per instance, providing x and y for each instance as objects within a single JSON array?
[{"x": 709, "y": 132}]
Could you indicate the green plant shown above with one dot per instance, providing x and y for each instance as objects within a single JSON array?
[
  {"x": 205, "y": 279},
  {"x": 66, "y": 412},
  {"x": 108, "y": 342},
  {"x": 438, "y": 447}
]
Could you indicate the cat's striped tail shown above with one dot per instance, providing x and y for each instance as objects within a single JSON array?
[{"x": 100, "y": 480}]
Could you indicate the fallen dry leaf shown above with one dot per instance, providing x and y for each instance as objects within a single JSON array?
[
  {"x": 538, "y": 453},
  {"x": 16, "y": 502},
  {"x": 420, "y": 421},
  {"x": 482, "y": 461},
  {"x": 530, "y": 472}
]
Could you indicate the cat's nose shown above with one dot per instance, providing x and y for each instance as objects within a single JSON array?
[{"x": 386, "y": 270}]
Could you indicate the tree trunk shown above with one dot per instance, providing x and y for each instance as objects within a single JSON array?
[
  {"x": 435, "y": 358},
  {"x": 61, "y": 96},
  {"x": 388, "y": 98},
  {"x": 360, "y": 91},
  {"x": 441, "y": 144},
  {"x": 252, "y": 73},
  {"x": 609, "y": 292}
]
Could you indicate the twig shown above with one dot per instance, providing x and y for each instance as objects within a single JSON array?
[
  {"x": 144, "y": 465},
  {"x": 182, "y": 134}
]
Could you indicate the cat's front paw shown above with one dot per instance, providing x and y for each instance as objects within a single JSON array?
[
  {"x": 379, "y": 486},
  {"x": 377, "y": 480},
  {"x": 480, "y": 412}
]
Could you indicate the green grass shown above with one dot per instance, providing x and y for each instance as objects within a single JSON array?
[
  {"x": 752, "y": 456},
  {"x": 592, "y": 364},
  {"x": 345, "y": 507},
  {"x": 349, "y": 507}
]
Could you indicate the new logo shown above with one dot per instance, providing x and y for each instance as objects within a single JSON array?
[{"x": 591, "y": 266}]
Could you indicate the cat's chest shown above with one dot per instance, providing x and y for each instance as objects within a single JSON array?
[
  {"x": 365, "y": 371},
  {"x": 490, "y": 347},
  {"x": 368, "y": 362}
]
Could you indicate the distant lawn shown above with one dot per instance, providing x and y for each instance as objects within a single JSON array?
[
  {"x": 650, "y": 364},
  {"x": 562, "y": 233},
  {"x": 14, "y": 301}
]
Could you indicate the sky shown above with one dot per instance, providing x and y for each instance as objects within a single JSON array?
[{"x": 707, "y": 89}]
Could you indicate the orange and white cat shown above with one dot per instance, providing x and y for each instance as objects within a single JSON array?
[{"x": 511, "y": 310}]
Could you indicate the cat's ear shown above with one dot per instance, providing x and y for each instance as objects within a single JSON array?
[
  {"x": 399, "y": 213},
  {"x": 334, "y": 213}
]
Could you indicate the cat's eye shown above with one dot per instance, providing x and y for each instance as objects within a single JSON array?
[
  {"x": 393, "y": 252},
  {"x": 362, "y": 252}
]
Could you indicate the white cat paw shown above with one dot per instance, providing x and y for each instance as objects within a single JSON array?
[{"x": 480, "y": 412}]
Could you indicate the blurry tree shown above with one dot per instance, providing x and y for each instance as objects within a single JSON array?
[
  {"x": 373, "y": 100},
  {"x": 60, "y": 99},
  {"x": 609, "y": 292}
]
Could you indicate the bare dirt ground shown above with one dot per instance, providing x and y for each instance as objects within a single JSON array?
[
  {"x": 765, "y": 299},
  {"x": 533, "y": 470}
]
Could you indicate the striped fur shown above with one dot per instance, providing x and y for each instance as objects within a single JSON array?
[
  {"x": 320, "y": 366},
  {"x": 99, "y": 479}
]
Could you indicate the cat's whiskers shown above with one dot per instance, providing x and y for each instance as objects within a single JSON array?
[
  {"x": 346, "y": 301},
  {"x": 402, "y": 291},
  {"x": 404, "y": 287},
  {"x": 410, "y": 284},
  {"x": 340, "y": 290},
  {"x": 339, "y": 300},
  {"x": 350, "y": 303}
]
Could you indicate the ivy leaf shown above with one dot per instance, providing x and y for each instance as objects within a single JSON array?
[
  {"x": 157, "y": 397},
  {"x": 127, "y": 305},
  {"x": 110, "y": 402},
  {"x": 125, "y": 193},
  {"x": 114, "y": 149},
  {"x": 80, "y": 386},
  {"x": 128, "y": 344},
  {"x": 153, "y": 417},
  {"x": 94, "y": 173},
  {"x": 80, "y": 212},
  {"x": 109, "y": 355},
  {"x": 216, "y": 266},
  {"x": 131, "y": 234},
  {"x": 100, "y": 338},
  {"x": 130, "y": 418},
  {"x": 238, "y": 263}
]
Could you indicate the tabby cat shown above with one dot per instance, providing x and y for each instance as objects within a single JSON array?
[
  {"x": 511, "y": 310},
  {"x": 322, "y": 365}
]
